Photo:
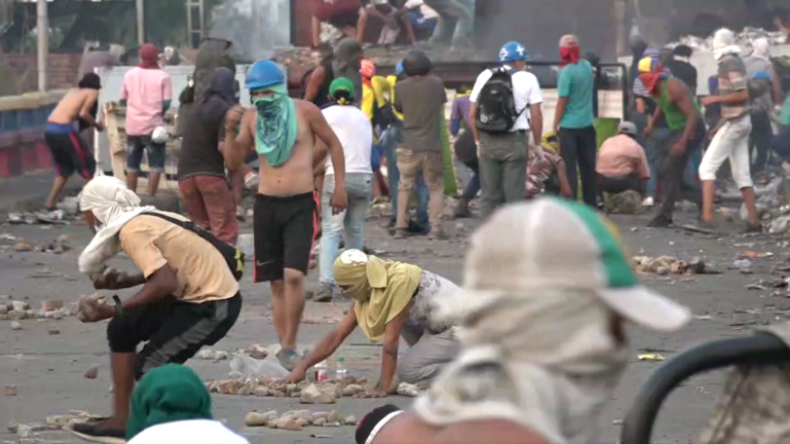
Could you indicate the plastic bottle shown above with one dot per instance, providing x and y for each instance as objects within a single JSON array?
[
  {"x": 340, "y": 371},
  {"x": 321, "y": 371}
]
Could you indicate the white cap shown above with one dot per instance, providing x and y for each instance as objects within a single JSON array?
[{"x": 556, "y": 243}]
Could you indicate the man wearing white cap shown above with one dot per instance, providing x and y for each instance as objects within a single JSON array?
[{"x": 543, "y": 343}]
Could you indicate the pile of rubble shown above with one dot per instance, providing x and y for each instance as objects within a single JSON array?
[
  {"x": 296, "y": 420},
  {"x": 18, "y": 310},
  {"x": 666, "y": 265},
  {"x": 320, "y": 392},
  {"x": 52, "y": 423},
  {"x": 743, "y": 38}
]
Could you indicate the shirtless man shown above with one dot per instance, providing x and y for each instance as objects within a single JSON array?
[
  {"x": 68, "y": 152},
  {"x": 284, "y": 133}
]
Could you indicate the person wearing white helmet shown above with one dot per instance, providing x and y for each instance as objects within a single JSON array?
[{"x": 542, "y": 334}]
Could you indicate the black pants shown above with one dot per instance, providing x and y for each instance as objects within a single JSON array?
[
  {"x": 760, "y": 140},
  {"x": 619, "y": 184},
  {"x": 174, "y": 330},
  {"x": 579, "y": 148},
  {"x": 672, "y": 171}
]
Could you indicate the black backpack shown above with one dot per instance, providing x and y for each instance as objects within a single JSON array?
[
  {"x": 496, "y": 105},
  {"x": 233, "y": 256}
]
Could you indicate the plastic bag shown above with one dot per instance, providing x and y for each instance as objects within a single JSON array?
[{"x": 245, "y": 367}]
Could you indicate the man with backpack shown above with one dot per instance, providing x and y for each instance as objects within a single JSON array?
[
  {"x": 189, "y": 296},
  {"x": 500, "y": 99}
]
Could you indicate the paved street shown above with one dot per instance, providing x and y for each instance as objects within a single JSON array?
[{"x": 48, "y": 369}]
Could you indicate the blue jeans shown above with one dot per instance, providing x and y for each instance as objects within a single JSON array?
[
  {"x": 456, "y": 19},
  {"x": 136, "y": 145},
  {"x": 473, "y": 186},
  {"x": 390, "y": 140},
  {"x": 359, "y": 189}
]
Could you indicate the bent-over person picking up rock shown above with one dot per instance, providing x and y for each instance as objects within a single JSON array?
[
  {"x": 189, "y": 296},
  {"x": 283, "y": 132}
]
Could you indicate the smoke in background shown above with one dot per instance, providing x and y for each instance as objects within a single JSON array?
[
  {"x": 256, "y": 27},
  {"x": 539, "y": 24}
]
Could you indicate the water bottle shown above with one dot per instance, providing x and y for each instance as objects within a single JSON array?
[{"x": 340, "y": 371}]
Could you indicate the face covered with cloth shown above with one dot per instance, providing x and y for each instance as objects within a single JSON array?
[
  {"x": 109, "y": 204},
  {"x": 276, "y": 122},
  {"x": 542, "y": 342},
  {"x": 651, "y": 73},
  {"x": 381, "y": 289},
  {"x": 171, "y": 403}
]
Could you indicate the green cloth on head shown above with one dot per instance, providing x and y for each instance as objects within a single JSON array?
[
  {"x": 167, "y": 394},
  {"x": 276, "y": 125},
  {"x": 341, "y": 84}
]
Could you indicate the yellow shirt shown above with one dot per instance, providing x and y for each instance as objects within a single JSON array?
[{"x": 203, "y": 274}]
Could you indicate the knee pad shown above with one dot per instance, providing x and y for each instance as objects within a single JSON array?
[{"x": 374, "y": 421}]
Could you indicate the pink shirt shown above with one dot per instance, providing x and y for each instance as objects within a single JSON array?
[
  {"x": 621, "y": 156},
  {"x": 145, "y": 91}
]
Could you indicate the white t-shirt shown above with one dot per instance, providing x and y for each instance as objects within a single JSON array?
[
  {"x": 355, "y": 132},
  {"x": 426, "y": 11},
  {"x": 526, "y": 90},
  {"x": 193, "y": 431}
]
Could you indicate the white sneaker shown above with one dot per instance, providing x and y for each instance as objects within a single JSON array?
[{"x": 648, "y": 202}]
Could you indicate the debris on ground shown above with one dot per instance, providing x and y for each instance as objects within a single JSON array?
[
  {"x": 56, "y": 217},
  {"x": 52, "y": 423},
  {"x": 9, "y": 390},
  {"x": 666, "y": 265},
  {"x": 295, "y": 420},
  {"x": 650, "y": 357},
  {"x": 410, "y": 390},
  {"x": 92, "y": 372},
  {"x": 213, "y": 355},
  {"x": 323, "y": 392},
  {"x": 19, "y": 310},
  {"x": 627, "y": 202}
]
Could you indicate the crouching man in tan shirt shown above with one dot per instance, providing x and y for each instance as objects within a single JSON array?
[{"x": 189, "y": 296}]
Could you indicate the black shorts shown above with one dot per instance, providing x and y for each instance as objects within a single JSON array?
[
  {"x": 284, "y": 229},
  {"x": 70, "y": 155},
  {"x": 174, "y": 330}
]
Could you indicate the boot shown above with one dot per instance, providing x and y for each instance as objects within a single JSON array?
[{"x": 462, "y": 209}]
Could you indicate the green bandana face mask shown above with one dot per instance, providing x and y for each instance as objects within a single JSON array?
[{"x": 275, "y": 125}]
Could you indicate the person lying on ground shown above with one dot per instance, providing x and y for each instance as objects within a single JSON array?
[
  {"x": 391, "y": 300},
  {"x": 189, "y": 296},
  {"x": 69, "y": 154},
  {"x": 171, "y": 401},
  {"x": 549, "y": 290},
  {"x": 285, "y": 133},
  {"x": 546, "y": 173},
  {"x": 622, "y": 163}
]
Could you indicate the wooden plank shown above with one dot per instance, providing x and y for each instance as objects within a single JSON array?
[{"x": 117, "y": 149}]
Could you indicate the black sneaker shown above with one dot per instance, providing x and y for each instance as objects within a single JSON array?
[
  {"x": 97, "y": 432},
  {"x": 752, "y": 229},
  {"x": 660, "y": 222},
  {"x": 418, "y": 228},
  {"x": 324, "y": 294}
]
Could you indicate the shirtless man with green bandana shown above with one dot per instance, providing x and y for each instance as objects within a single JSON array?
[{"x": 284, "y": 132}]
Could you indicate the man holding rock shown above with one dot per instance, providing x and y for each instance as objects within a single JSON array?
[
  {"x": 189, "y": 296},
  {"x": 284, "y": 134}
]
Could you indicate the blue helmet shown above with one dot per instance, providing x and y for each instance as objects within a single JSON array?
[
  {"x": 264, "y": 73},
  {"x": 762, "y": 75},
  {"x": 513, "y": 52},
  {"x": 399, "y": 68}
]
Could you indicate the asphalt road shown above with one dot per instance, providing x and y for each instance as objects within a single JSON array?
[{"x": 48, "y": 370}]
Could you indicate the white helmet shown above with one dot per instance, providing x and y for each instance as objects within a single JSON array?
[{"x": 160, "y": 135}]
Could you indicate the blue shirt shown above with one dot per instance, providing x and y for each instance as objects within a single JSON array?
[{"x": 577, "y": 84}]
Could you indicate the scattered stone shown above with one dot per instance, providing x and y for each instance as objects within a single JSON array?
[
  {"x": 310, "y": 394},
  {"x": 320, "y": 422},
  {"x": 52, "y": 331},
  {"x": 410, "y": 390},
  {"x": 255, "y": 419},
  {"x": 663, "y": 271},
  {"x": 16, "y": 326},
  {"x": 9, "y": 390},
  {"x": 334, "y": 416},
  {"x": 52, "y": 305},
  {"x": 3, "y": 309},
  {"x": 261, "y": 391},
  {"x": 213, "y": 355},
  {"x": 350, "y": 420},
  {"x": 746, "y": 271},
  {"x": 352, "y": 389},
  {"x": 315, "y": 416},
  {"x": 293, "y": 425},
  {"x": 92, "y": 373},
  {"x": 23, "y": 246},
  {"x": 20, "y": 305}
]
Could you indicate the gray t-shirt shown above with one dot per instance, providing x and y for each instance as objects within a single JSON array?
[
  {"x": 732, "y": 78},
  {"x": 421, "y": 99},
  {"x": 765, "y": 101}
]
